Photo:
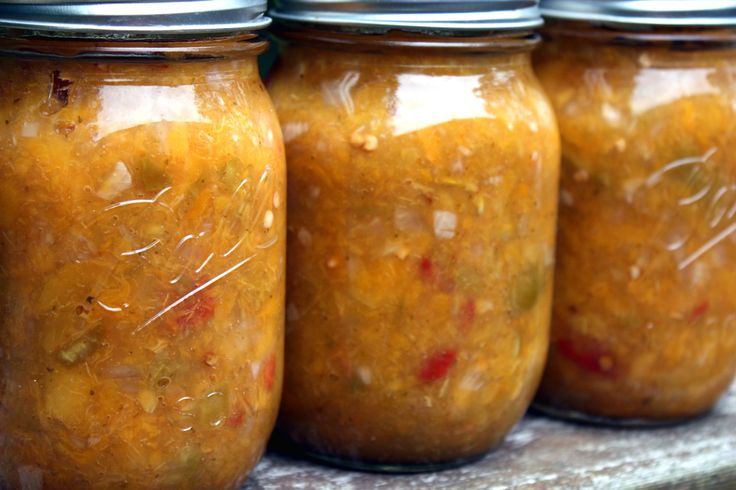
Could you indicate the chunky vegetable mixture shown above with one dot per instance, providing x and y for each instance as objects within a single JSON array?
[
  {"x": 643, "y": 323},
  {"x": 142, "y": 218},
  {"x": 422, "y": 201}
]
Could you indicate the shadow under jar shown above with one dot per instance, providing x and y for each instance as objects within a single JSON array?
[
  {"x": 423, "y": 172},
  {"x": 644, "y": 317},
  {"x": 142, "y": 247}
]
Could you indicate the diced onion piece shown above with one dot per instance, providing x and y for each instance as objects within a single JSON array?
[
  {"x": 566, "y": 198},
  {"x": 473, "y": 381},
  {"x": 445, "y": 223},
  {"x": 148, "y": 400},
  {"x": 121, "y": 371},
  {"x": 29, "y": 130},
  {"x": 398, "y": 249},
  {"x": 255, "y": 368},
  {"x": 371, "y": 143},
  {"x": 406, "y": 219},
  {"x": 305, "y": 238},
  {"x": 611, "y": 115},
  {"x": 293, "y": 130},
  {"x": 268, "y": 219},
  {"x": 115, "y": 183},
  {"x": 364, "y": 375}
]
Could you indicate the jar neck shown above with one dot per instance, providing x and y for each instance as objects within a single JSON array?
[
  {"x": 684, "y": 38},
  {"x": 397, "y": 40},
  {"x": 167, "y": 50},
  {"x": 605, "y": 47},
  {"x": 324, "y": 61}
]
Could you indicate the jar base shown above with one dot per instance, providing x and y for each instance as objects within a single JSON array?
[
  {"x": 584, "y": 418},
  {"x": 282, "y": 444},
  {"x": 405, "y": 468}
]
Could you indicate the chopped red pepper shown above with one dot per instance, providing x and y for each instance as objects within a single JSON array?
[
  {"x": 269, "y": 372},
  {"x": 437, "y": 366},
  {"x": 425, "y": 269},
  {"x": 236, "y": 418},
  {"x": 588, "y": 355},
  {"x": 467, "y": 315},
  {"x": 699, "y": 311},
  {"x": 197, "y": 311}
]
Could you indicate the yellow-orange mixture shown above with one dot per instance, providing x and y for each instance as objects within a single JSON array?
[
  {"x": 142, "y": 219},
  {"x": 422, "y": 200},
  {"x": 644, "y": 321}
]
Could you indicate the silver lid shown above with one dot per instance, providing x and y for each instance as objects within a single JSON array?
[
  {"x": 644, "y": 12},
  {"x": 451, "y": 15},
  {"x": 135, "y": 18}
]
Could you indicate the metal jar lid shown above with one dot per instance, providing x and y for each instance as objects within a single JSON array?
[
  {"x": 644, "y": 12},
  {"x": 412, "y": 15},
  {"x": 147, "y": 18}
]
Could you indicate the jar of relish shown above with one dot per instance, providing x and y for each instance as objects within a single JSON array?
[
  {"x": 423, "y": 170},
  {"x": 644, "y": 319}
]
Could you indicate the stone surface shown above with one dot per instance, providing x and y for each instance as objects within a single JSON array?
[{"x": 542, "y": 453}]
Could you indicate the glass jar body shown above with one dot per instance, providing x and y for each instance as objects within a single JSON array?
[
  {"x": 643, "y": 326},
  {"x": 142, "y": 272},
  {"x": 422, "y": 203}
]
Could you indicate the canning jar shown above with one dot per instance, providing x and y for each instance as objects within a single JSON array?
[
  {"x": 142, "y": 246},
  {"x": 644, "y": 318},
  {"x": 423, "y": 167}
]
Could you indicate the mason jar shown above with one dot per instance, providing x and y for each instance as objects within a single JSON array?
[
  {"x": 423, "y": 170},
  {"x": 142, "y": 245},
  {"x": 644, "y": 318}
]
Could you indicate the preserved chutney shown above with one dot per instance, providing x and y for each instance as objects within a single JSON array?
[
  {"x": 423, "y": 175},
  {"x": 142, "y": 247},
  {"x": 644, "y": 319}
]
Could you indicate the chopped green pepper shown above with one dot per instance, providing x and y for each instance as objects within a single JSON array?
[
  {"x": 152, "y": 177},
  {"x": 78, "y": 350},
  {"x": 526, "y": 288}
]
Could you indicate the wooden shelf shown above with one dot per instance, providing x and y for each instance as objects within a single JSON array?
[{"x": 543, "y": 453}]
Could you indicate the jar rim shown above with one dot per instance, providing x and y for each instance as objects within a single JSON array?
[
  {"x": 412, "y": 15},
  {"x": 680, "y": 13},
  {"x": 469, "y": 43},
  {"x": 132, "y": 19},
  {"x": 133, "y": 51}
]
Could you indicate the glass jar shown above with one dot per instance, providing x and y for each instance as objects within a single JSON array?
[
  {"x": 423, "y": 175},
  {"x": 644, "y": 323},
  {"x": 142, "y": 247}
]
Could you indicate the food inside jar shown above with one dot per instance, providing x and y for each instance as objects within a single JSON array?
[
  {"x": 422, "y": 200},
  {"x": 142, "y": 291},
  {"x": 643, "y": 323}
]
